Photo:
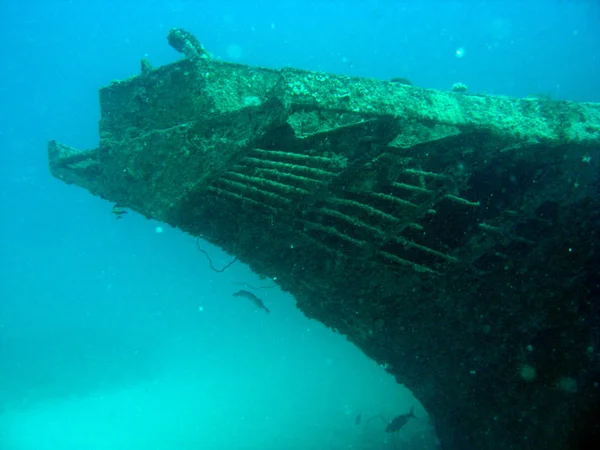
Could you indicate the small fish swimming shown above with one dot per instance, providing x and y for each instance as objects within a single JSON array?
[
  {"x": 253, "y": 298},
  {"x": 398, "y": 422},
  {"x": 118, "y": 211}
]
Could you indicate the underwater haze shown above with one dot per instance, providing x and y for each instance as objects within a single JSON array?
[{"x": 116, "y": 334}]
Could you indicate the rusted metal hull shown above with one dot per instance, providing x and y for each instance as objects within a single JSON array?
[{"x": 452, "y": 237}]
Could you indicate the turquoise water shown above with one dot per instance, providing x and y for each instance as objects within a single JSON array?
[{"x": 144, "y": 347}]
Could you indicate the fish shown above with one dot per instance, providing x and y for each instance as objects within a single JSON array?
[
  {"x": 399, "y": 421},
  {"x": 253, "y": 298},
  {"x": 358, "y": 419},
  {"x": 118, "y": 211}
]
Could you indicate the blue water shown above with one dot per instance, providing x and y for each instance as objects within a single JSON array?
[{"x": 116, "y": 334}]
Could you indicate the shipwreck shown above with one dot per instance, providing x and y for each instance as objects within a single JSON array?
[{"x": 453, "y": 237}]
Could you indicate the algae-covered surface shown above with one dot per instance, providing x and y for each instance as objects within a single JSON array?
[{"x": 451, "y": 236}]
